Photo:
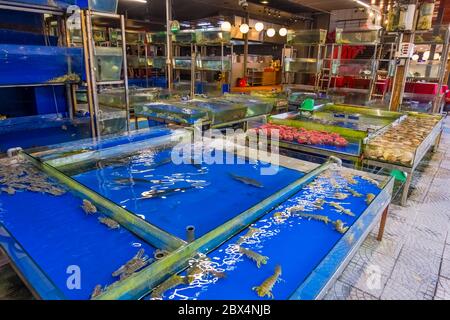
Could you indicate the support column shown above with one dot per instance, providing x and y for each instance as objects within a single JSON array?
[{"x": 169, "y": 45}]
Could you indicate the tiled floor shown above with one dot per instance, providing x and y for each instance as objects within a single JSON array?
[{"x": 412, "y": 261}]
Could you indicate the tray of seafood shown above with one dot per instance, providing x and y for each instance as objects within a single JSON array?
[
  {"x": 219, "y": 111},
  {"x": 406, "y": 142},
  {"x": 267, "y": 261}
]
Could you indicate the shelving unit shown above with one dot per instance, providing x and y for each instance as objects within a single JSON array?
[
  {"x": 424, "y": 89},
  {"x": 303, "y": 56},
  {"x": 358, "y": 73}
]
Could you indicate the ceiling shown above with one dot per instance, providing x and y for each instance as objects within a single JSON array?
[{"x": 196, "y": 9}]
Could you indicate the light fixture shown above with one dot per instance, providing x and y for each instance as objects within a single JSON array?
[
  {"x": 225, "y": 26},
  {"x": 140, "y": 1},
  {"x": 264, "y": 1},
  {"x": 415, "y": 57},
  {"x": 437, "y": 56},
  {"x": 362, "y": 3},
  {"x": 283, "y": 32},
  {"x": 259, "y": 26},
  {"x": 426, "y": 55},
  {"x": 271, "y": 32},
  {"x": 244, "y": 28}
]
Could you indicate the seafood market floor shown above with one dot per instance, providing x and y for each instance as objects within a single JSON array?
[{"x": 412, "y": 261}]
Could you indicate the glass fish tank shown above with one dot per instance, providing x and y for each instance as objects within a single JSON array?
[
  {"x": 255, "y": 106},
  {"x": 307, "y": 37},
  {"x": 352, "y": 125},
  {"x": 214, "y": 64},
  {"x": 353, "y": 67},
  {"x": 151, "y": 196},
  {"x": 212, "y": 37},
  {"x": 406, "y": 143},
  {"x": 219, "y": 112},
  {"x": 439, "y": 35},
  {"x": 26, "y": 64},
  {"x": 279, "y": 99},
  {"x": 357, "y": 36},
  {"x": 172, "y": 112},
  {"x": 184, "y": 37},
  {"x": 157, "y": 38},
  {"x": 108, "y": 63},
  {"x": 138, "y": 96},
  {"x": 303, "y": 65},
  {"x": 158, "y": 62},
  {"x": 182, "y": 63},
  {"x": 424, "y": 70},
  {"x": 108, "y": 6}
]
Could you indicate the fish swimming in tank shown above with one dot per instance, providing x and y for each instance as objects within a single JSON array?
[
  {"x": 158, "y": 193},
  {"x": 248, "y": 181},
  {"x": 88, "y": 207},
  {"x": 130, "y": 181},
  {"x": 250, "y": 233},
  {"x": 265, "y": 289}
]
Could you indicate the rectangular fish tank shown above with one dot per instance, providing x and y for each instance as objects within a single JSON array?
[
  {"x": 303, "y": 65},
  {"x": 108, "y": 6},
  {"x": 158, "y": 62},
  {"x": 406, "y": 143},
  {"x": 214, "y": 64},
  {"x": 172, "y": 112},
  {"x": 307, "y": 37},
  {"x": 255, "y": 106},
  {"x": 424, "y": 70},
  {"x": 108, "y": 63},
  {"x": 279, "y": 99},
  {"x": 212, "y": 37},
  {"x": 352, "y": 123},
  {"x": 27, "y": 64},
  {"x": 182, "y": 63},
  {"x": 357, "y": 36},
  {"x": 219, "y": 112},
  {"x": 138, "y": 96},
  {"x": 353, "y": 67},
  {"x": 184, "y": 37},
  {"x": 237, "y": 245},
  {"x": 439, "y": 35},
  {"x": 157, "y": 38}
]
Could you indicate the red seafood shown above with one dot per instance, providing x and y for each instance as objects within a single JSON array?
[{"x": 302, "y": 135}]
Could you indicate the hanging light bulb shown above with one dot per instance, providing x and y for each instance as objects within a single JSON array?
[
  {"x": 225, "y": 26},
  {"x": 271, "y": 32},
  {"x": 426, "y": 55},
  {"x": 437, "y": 56},
  {"x": 283, "y": 32},
  {"x": 415, "y": 57},
  {"x": 244, "y": 28},
  {"x": 259, "y": 26}
]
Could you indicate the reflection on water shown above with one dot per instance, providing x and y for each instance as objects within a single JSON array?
[{"x": 286, "y": 236}]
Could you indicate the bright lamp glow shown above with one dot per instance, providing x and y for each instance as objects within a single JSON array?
[
  {"x": 437, "y": 56},
  {"x": 271, "y": 32},
  {"x": 259, "y": 26},
  {"x": 415, "y": 57},
  {"x": 225, "y": 26},
  {"x": 426, "y": 55},
  {"x": 283, "y": 32},
  {"x": 244, "y": 28}
]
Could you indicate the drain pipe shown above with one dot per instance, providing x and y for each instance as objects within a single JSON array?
[{"x": 190, "y": 234}]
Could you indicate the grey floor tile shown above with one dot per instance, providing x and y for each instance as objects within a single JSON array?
[
  {"x": 388, "y": 246},
  {"x": 398, "y": 291},
  {"x": 443, "y": 289},
  {"x": 343, "y": 291},
  {"x": 445, "y": 268}
]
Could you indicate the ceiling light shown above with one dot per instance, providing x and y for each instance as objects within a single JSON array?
[
  {"x": 264, "y": 1},
  {"x": 362, "y": 3},
  {"x": 259, "y": 26},
  {"x": 415, "y": 57},
  {"x": 283, "y": 32},
  {"x": 244, "y": 28},
  {"x": 225, "y": 26},
  {"x": 271, "y": 32},
  {"x": 140, "y": 1}
]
